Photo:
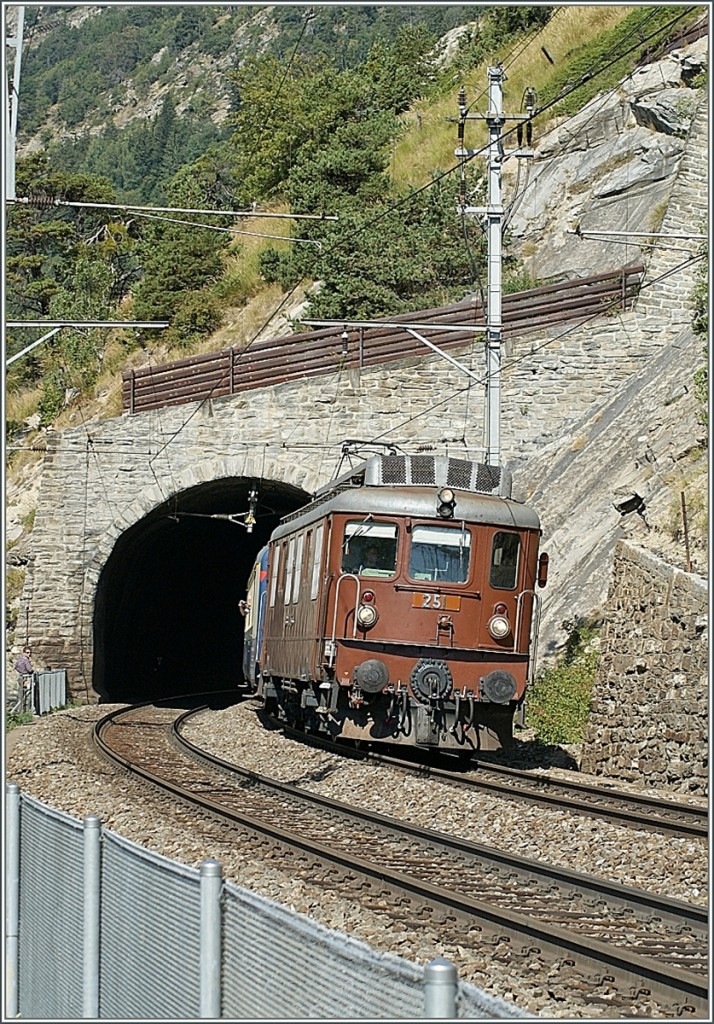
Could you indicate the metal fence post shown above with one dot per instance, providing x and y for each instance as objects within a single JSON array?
[
  {"x": 12, "y": 900},
  {"x": 210, "y": 939},
  {"x": 92, "y": 882},
  {"x": 440, "y": 980}
]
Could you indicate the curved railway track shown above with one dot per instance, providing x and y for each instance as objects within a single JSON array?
[
  {"x": 605, "y": 943},
  {"x": 630, "y": 809}
]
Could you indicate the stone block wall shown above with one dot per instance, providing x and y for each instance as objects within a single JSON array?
[{"x": 649, "y": 717}]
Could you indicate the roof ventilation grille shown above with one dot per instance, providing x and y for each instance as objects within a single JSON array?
[
  {"x": 459, "y": 474},
  {"x": 394, "y": 469},
  {"x": 422, "y": 469}
]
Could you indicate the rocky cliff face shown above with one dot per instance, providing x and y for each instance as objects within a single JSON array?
[
  {"x": 633, "y": 160},
  {"x": 610, "y": 168}
]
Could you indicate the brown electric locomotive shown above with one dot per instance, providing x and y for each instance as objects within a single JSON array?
[{"x": 400, "y": 606}]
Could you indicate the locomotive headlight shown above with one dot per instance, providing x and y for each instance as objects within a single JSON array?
[
  {"x": 499, "y": 627},
  {"x": 446, "y": 499},
  {"x": 367, "y": 615}
]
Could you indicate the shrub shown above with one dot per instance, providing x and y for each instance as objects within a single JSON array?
[
  {"x": 198, "y": 316},
  {"x": 559, "y": 702},
  {"x": 15, "y": 718},
  {"x": 700, "y": 323}
]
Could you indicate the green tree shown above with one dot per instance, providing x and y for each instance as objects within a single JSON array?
[
  {"x": 397, "y": 253},
  {"x": 403, "y": 70},
  {"x": 277, "y": 125},
  {"x": 42, "y": 237},
  {"x": 181, "y": 261},
  {"x": 62, "y": 263}
]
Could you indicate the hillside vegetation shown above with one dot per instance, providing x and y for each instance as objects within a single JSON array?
[{"x": 345, "y": 113}]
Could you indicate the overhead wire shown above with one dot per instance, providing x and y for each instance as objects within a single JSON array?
[
  {"x": 518, "y": 194},
  {"x": 308, "y": 17},
  {"x": 615, "y": 304},
  {"x": 143, "y": 211},
  {"x": 400, "y": 203},
  {"x": 230, "y": 230}
]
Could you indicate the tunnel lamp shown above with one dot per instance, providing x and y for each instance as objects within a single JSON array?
[{"x": 252, "y": 506}]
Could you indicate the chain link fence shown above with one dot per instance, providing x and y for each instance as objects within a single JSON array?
[{"x": 98, "y": 927}]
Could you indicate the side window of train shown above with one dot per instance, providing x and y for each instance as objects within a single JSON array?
[
  {"x": 316, "y": 560},
  {"x": 297, "y": 574},
  {"x": 275, "y": 573},
  {"x": 504, "y": 560},
  {"x": 289, "y": 570},
  {"x": 369, "y": 548},
  {"x": 441, "y": 554},
  {"x": 307, "y": 558}
]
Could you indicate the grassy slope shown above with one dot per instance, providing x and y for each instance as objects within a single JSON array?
[{"x": 430, "y": 138}]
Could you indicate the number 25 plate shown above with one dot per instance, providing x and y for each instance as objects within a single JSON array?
[{"x": 443, "y": 602}]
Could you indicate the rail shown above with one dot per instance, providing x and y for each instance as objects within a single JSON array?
[
  {"x": 312, "y": 353},
  {"x": 142, "y": 937}
]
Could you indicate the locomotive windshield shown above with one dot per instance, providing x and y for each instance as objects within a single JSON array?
[
  {"x": 440, "y": 553},
  {"x": 504, "y": 560},
  {"x": 370, "y": 549}
]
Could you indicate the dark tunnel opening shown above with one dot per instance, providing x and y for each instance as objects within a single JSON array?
[{"x": 166, "y": 618}]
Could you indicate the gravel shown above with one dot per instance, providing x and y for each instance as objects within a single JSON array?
[{"x": 54, "y": 761}]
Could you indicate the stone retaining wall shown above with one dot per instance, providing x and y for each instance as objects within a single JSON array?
[{"x": 650, "y": 699}]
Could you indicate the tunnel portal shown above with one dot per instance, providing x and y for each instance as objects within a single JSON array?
[{"x": 166, "y": 618}]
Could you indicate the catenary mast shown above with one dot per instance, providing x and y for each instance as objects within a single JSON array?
[
  {"x": 493, "y": 214},
  {"x": 12, "y": 85}
]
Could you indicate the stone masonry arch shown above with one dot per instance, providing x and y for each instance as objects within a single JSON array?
[
  {"x": 217, "y": 485},
  {"x": 272, "y": 469},
  {"x": 164, "y": 598}
]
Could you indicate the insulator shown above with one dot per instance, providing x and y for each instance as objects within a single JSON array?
[
  {"x": 42, "y": 202},
  {"x": 519, "y": 134},
  {"x": 529, "y": 134}
]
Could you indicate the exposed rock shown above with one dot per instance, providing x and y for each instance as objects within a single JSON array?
[
  {"x": 611, "y": 167},
  {"x": 632, "y": 442},
  {"x": 670, "y": 111}
]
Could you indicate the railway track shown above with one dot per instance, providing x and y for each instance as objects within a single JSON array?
[
  {"x": 630, "y": 809},
  {"x": 603, "y": 943}
]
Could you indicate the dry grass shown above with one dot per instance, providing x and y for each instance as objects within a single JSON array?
[
  {"x": 19, "y": 405},
  {"x": 253, "y": 236},
  {"x": 429, "y": 140},
  {"x": 258, "y": 318}
]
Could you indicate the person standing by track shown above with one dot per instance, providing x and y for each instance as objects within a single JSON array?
[{"x": 25, "y": 677}]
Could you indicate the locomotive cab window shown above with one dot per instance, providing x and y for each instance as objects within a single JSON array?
[
  {"x": 370, "y": 549},
  {"x": 504, "y": 560},
  {"x": 440, "y": 554}
]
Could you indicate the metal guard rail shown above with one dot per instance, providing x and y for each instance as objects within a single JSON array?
[{"x": 312, "y": 353}]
